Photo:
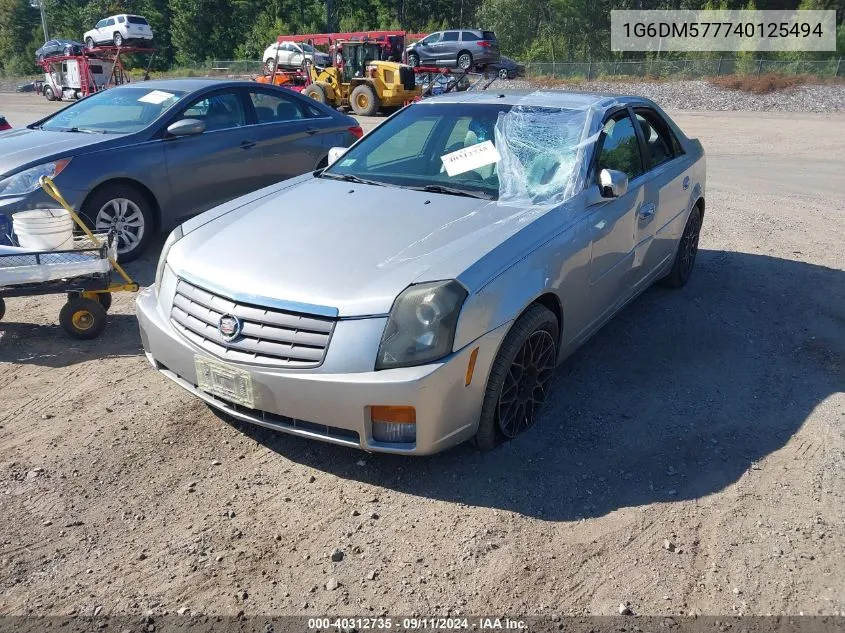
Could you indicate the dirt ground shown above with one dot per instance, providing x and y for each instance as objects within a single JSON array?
[{"x": 692, "y": 459}]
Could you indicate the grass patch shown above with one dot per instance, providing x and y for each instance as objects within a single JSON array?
[{"x": 766, "y": 83}]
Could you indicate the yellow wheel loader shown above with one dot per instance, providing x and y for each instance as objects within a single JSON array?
[{"x": 360, "y": 80}]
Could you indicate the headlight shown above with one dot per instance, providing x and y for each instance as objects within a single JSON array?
[
  {"x": 174, "y": 237},
  {"x": 26, "y": 181},
  {"x": 421, "y": 326}
]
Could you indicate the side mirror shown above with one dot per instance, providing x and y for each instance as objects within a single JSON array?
[
  {"x": 186, "y": 127},
  {"x": 612, "y": 183},
  {"x": 335, "y": 153}
]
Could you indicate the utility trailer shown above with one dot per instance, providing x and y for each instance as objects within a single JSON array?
[{"x": 69, "y": 77}]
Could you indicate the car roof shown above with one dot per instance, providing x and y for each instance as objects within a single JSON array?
[
  {"x": 553, "y": 98},
  {"x": 188, "y": 84}
]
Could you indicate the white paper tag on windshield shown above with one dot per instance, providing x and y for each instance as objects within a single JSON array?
[
  {"x": 470, "y": 158},
  {"x": 156, "y": 97}
]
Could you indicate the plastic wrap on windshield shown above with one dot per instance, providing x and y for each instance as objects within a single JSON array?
[{"x": 544, "y": 149}]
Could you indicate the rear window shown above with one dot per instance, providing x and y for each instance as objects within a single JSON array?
[
  {"x": 134, "y": 19},
  {"x": 469, "y": 36},
  {"x": 488, "y": 35}
]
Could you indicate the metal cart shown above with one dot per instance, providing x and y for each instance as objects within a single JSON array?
[{"x": 84, "y": 273}]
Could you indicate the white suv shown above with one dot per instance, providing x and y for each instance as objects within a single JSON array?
[{"x": 119, "y": 30}]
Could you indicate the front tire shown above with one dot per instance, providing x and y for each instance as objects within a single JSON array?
[
  {"x": 465, "y": 60},
  {"x": 89, "y": 42},
  {"x": 123, "y": 208},
  {"x": 519, "y": 379},
  {"x": 316, "y": 92},
  {"x": 364, "y": 100},
  {"x": 413, "y": 60},
  {"x": 687, "y": 250},
  {"x": 48, "y": 93},
  {"x": 117, "y": 39},
  {"x": 83, "y": 319},
  {"x": 503, "y": 74}
]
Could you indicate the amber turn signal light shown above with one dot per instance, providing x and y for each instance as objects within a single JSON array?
[{"x": 397, "y": 415}]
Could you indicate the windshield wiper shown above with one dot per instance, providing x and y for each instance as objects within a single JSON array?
[
  {"x": 84, "y": 130},
  {"x": 454, "y": 191},
  {"x": 351, "y": 178}
]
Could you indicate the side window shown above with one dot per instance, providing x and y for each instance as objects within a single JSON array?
[
  {"x": 469, "y": 36},
  {"x": 100, "y": 24},
  {"x": 408, "y": 143},
  {"x": 432, "y": 39},
  {"x": 620, "y": 149},
  {"x": 450, "y": 36},
  {"x": 658, "y": 137},
  {"x": 121, "y": 19},
  {"x": 110, "y": 22},
  {"x": 218, "y": 111},
  {"x": 274, "y": 108}
]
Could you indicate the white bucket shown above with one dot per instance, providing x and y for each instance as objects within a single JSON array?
[{"x": 43, "y": 229}]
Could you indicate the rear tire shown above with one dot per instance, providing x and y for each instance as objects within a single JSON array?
[
  {"x": 687, "y": 250},
  {"x": 117, "y": 39},
  {"x": 464, "y": 60},
  {"x": 519, "y": 379},
  {"x": 364, "y": 100},
  {"x": 48, "y": 93},
  {"x": 503, "y": 74},
  {"x": 83, "y": 319},
  {"x": 90, "y": 43},
  {"x": 316, "y": 92},
  {"x": 413, "y": 60}
]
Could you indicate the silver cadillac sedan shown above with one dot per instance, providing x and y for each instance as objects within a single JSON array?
[{"x": 420, "y": 290}]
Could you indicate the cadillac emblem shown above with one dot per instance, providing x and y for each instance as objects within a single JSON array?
[{"x": 229, "y": 327}]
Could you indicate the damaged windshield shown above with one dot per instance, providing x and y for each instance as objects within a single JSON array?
[{"x": 519, "y": 154}]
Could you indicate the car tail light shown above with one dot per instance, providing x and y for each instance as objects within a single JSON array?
[
  {"x": 357, "y": 131},
  {"x": 485, "y": 44}
]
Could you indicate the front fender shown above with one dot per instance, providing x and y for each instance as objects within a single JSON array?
[{"x": 501, "y": 301}]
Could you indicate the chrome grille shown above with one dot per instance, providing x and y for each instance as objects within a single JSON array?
[{"x": 269, "y": 336}]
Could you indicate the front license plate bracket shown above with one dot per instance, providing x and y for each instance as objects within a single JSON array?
[{"x": 225, "y": 381}]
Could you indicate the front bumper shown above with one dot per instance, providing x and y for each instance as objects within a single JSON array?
[{"x": 334, "y": 406}]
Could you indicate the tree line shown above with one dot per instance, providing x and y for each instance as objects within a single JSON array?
[{"x": 189, "y": 32}]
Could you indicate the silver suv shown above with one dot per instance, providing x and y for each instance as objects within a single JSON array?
[{"x": 462, "y": 48}]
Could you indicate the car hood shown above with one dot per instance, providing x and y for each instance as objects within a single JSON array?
[
  {"x": 22, "y": 147},
  {"x": 347, "y": 247}
]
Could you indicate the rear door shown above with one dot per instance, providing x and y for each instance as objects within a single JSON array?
[
  {"x": 447, "y": 48},
  {"x": 666, "y": 196},
  {"x": 613, "y": 222},
  {"x": 290, "y": 138},
  {"x": 221, "y": 163}
]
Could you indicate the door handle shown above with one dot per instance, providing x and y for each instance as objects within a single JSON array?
[
  {"x": 647, "y": 211},
  {"x": 247, "y": 144},
  {"x": 311, "y": 131},
  {"x": 686, "y": 183}
]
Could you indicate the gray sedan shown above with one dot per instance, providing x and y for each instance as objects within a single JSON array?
[
  {"x": 420, "y": 291},
  {"x": 144, "y": 157}
]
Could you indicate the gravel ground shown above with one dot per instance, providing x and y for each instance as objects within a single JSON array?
[
  {"x": 701, "y": 95},
  {"x": 692, "y": 459}
]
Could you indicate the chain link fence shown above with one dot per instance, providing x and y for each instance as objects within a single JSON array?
[{"x": 684, "y": 68}]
